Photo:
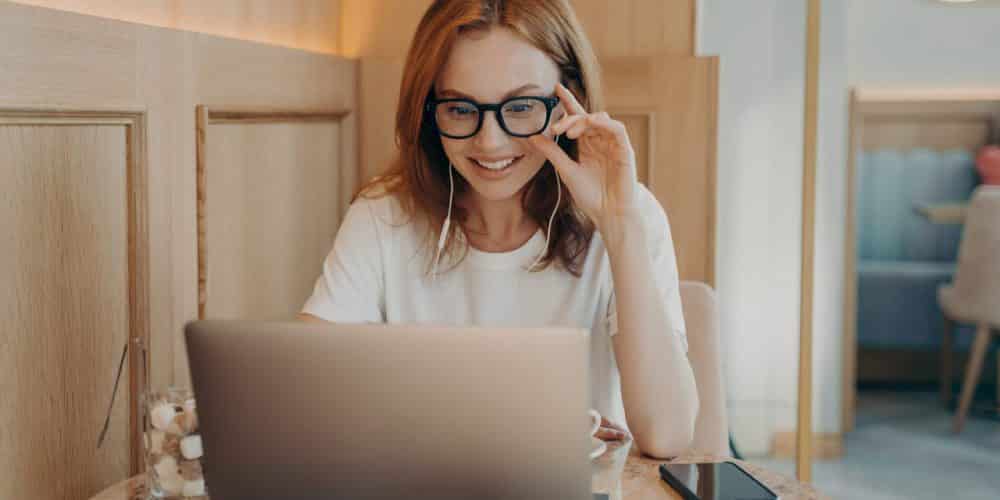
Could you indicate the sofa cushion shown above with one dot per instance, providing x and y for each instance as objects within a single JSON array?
[{"x": 897, "y": 303}]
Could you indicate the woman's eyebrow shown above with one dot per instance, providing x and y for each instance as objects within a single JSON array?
[{"x": 522, "y": 88}]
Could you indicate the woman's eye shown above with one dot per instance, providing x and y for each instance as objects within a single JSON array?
[
  {"x": 460, "y": 110},
  {"x": 520, "y": 108}
]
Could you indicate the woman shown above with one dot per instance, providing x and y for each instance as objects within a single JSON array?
[{"x": 514, "y": 202}]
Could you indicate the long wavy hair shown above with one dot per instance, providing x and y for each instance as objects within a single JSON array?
[{"x": 418, "y": 175}]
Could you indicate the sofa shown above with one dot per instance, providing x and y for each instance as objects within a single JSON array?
[{"x": 903, "y": 258}]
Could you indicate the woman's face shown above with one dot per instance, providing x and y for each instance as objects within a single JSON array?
[{"x": 488, "y": 67}]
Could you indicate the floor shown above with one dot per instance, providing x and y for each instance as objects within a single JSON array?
[{"x": 902, "y": 448}]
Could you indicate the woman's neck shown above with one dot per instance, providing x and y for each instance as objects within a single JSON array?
[{"x": 497, "y": 226}]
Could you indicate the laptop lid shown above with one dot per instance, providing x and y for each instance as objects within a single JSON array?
[{"x": 296, "y": 410}]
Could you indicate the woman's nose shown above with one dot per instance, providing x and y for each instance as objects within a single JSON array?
[{"x": 491, "y": 134}]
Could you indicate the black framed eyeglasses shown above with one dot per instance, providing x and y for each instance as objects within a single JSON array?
[{"x": 518, "y": 116}]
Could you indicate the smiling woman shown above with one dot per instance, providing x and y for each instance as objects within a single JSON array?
[{"x": 510, "y": 171}]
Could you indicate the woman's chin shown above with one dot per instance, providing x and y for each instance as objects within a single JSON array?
[
  {"x": 495, "y": 192},
  {"x": 498, "y": 189}
]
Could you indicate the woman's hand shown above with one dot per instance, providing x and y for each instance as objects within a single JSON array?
[
  {"x": 610, "y": 431},
  {"x": 603, "y": 180}
]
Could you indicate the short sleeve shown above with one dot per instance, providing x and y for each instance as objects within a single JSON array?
[
  {"x": 664, "y": 270},
  {"x": 350, "y": 288}
]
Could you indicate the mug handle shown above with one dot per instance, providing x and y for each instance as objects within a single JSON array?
[{"x": 595, "y": 421}]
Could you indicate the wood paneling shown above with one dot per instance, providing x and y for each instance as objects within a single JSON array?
[
  {"x": 302, "y": 24},
  {"x": 939, "y": 119},
  {"x": 825, "y": 445},
  {"x": 75, "y": 293},
  {"x": 957, "y": 132},
  {"x": 384, "y": 28},
  {"x": 268, "y": 209},
  {"x": 638, "y": 27},
  {"x": 53, "y": 61},
  {"x": 804, "y": 401},
  {"x": 379, "y": 28},
  {"x": 377, "y": 110},
  {"x": 678, "y": 95},
  {"x": 642, "y": 135}
]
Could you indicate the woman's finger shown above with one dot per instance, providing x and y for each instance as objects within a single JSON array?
[
  {"x": 578, "y": 128},
  {"x": 605, "y": 423},
  {"x": 601, "y": 123},
  {"x": 552, "y": 152},
  {"x": 569, "y": 101},
  {"x": 594, "y": 125},
  {"x": 609, "y": 434},
  {"x": 567, "y": 121}
]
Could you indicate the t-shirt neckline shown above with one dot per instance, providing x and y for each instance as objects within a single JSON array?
[{"x": 520, "y": 257}]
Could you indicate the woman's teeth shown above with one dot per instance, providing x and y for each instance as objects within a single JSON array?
[{"x": 496, "y": 165}]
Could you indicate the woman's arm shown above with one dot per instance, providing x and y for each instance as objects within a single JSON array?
[
  {"x": 309, "y": 318},
  {"x": 658, "y": 387}
]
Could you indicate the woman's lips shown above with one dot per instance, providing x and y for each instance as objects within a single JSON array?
[{"x": 495, "y": 169}]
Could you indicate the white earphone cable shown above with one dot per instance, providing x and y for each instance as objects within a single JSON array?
[
  {"x": 548, "y": 229},
  {"x": 447, "y": 222}
]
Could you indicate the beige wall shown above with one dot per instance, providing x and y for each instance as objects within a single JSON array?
[{"x": 303, "y": 24}]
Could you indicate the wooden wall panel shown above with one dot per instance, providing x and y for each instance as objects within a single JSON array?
[
  {"x": 303, "y": 24},
  {"x": 638, "y": 27},
  {"x": 64, "y": 306},
  {"x": 271, "y": 209},
  {"x": 679, "y": 94},
  {"x": 935, "y": 120},
  {"x": 379, "y": 27},
  {"x": 54, "y": 61},
  {"x": 384, "y": 28},
  {"x": 377, "y": 113},
  {"x": 641, "y": 133}
]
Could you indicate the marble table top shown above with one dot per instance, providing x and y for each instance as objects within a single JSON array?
[{"x": 620, "y": 471}]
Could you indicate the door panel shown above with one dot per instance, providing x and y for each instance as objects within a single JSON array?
[
  {"x": 271, "y": 211},
  {"x": 64, "y": 306}
]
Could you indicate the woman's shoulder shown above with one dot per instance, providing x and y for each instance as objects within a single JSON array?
[
  {"x": 384, "y": 211},
  {"x": 653, "y": 213}
]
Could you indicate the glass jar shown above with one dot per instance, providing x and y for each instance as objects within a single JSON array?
[{"x": 173, "y": 447}]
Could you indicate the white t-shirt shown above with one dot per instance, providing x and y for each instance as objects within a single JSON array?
[{"x": 376, "y": 272}]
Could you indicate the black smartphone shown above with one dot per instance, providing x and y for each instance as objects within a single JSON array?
[{"x": 714, "y": 481}]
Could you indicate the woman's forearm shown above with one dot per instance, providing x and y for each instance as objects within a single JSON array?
[{"x": 658, "y": 387}]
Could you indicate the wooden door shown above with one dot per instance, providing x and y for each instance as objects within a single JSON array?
[{"x": 73, "y": 199}]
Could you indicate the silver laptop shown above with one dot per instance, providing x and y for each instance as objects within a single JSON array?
[{"x": 303, "y": 411}]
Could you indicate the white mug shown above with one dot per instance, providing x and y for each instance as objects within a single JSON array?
[{"x": 595, "y": 421}]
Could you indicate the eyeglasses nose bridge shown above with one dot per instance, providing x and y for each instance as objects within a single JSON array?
[{"x": 495, "y": 108}]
